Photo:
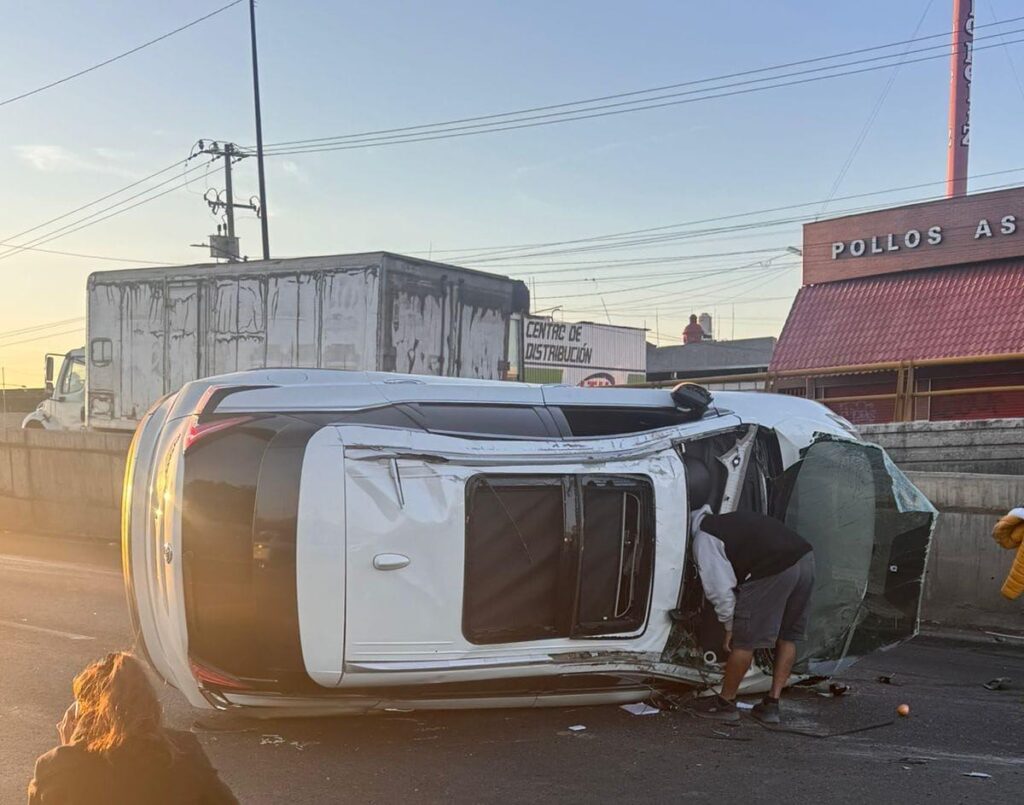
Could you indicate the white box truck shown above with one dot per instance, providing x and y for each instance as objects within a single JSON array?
[{"x": 152, "y": 330}]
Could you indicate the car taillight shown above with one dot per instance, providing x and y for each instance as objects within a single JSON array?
[
  {"x": 209, "y": 677},
  {"x": 200, "y": 430}
]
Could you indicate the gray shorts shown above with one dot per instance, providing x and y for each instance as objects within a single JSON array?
[{"x": 775, "y": 607}]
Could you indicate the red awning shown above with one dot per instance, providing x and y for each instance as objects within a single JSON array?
[{"x": 933, "y": 313}]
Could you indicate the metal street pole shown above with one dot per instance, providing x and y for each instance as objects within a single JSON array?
[{"x": 259, "y": 132}]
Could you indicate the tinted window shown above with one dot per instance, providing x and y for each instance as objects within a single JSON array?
[
  {"x": 515, "y": 421},
  {"x": 556, "y": 556},
  {"x": 600, "y": 421},
  {"x": 388, "y": 416},
  {"x": 617, "y": 556},
  {"x": 514, "y": 541},
  {"x": 239, "y": 511}
]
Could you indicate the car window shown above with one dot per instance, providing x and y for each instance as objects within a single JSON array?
[
  {"x": 514, "y": 542},
  {"x": 556, "y": 556},
  {"x": 594, "y": 420},
  {"x": 512, "y": 421},
  {"x": 386, "y": 416}
]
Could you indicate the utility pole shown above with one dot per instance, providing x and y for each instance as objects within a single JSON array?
[
  {"x": 229, "y": 194},
  {"x": 259, "y": 131},
  {"x": 225, "y": 243}
]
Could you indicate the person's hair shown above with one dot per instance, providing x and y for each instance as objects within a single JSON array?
[
  {"x": 117, "y": 707},
  {"x": 693, "y": 318}
]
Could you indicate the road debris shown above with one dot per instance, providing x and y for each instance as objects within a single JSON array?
[
  {"x": 271, "y": 740},
  {"x": 1001, "y": 637},
  {"x": 914, "y": 760},
  {"x": 577, "y": 728},
  {"x": 886, "y": 679},
  {"x": 999, "y": 683},
  {"x": 980, "y": 775},
  {"x": 729, "y": 736},
  {"x": 300, "y": 745},
  {"x": 744, "y": 706},
  {"x": 838, "y": 689},
  {"x": 903, "y": 710},
  {"x": 640, "y": 709}
]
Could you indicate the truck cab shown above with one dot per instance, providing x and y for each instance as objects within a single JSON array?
[{"x": 64, "y": 408}]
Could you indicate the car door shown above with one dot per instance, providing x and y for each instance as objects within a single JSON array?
[
  {"x": 871, "y": 529},
  {"x": 463, "y": 553}
]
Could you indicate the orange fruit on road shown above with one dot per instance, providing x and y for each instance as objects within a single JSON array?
[{"x": 903, "y": 709}]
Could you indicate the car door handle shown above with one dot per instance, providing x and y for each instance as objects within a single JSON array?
[{"x": 390, "y": 561}]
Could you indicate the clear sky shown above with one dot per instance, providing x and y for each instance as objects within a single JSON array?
[{"x": 333, "y": 67}]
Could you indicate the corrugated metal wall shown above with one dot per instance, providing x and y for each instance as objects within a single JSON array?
[{"x": 160, "y": 329}]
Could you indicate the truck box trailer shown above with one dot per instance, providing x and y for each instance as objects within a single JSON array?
[{"x": 152, "y": 330}]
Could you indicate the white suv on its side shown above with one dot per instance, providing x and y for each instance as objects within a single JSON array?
[{"x": 323, "y": 541}]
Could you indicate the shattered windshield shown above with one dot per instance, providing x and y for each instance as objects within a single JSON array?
[{"x": 870, "y": 528}]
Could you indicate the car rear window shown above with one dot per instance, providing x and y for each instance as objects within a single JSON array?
[{"x": 239, "y": 511}]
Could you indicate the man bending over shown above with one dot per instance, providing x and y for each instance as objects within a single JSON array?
[{"x": 758, "y": 575}]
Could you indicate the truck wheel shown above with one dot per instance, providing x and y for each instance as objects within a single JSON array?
[{"x": 34, "y": 426}]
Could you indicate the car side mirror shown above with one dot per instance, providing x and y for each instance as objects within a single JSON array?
[
  {"x": 691, "y": 398},
  {"x": 49, "y": 374}
]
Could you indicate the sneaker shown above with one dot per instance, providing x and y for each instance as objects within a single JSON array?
[
  {"x": 716, "y": 708},
  {"x": 767, "y": 712}
]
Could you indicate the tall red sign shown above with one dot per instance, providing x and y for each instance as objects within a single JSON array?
[{"x": 961, "y": 63}]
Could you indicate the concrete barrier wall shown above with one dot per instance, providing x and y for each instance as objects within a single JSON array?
[
  {"x": 61, "y": 483},
  {"x": 990, "y": 446},
  {"x": 966, "y": 567}
]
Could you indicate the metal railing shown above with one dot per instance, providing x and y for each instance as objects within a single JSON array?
[{"x": 904, "y": 397}]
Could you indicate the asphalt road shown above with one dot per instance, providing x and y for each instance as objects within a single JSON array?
[{"x": 59, "y": 611}]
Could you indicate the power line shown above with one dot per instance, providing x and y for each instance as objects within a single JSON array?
[
  {"x": 714, "y": 272},
  {"x": 737, "y": 284},
  {"x": 484, "y": 254},
  {"x": 866, "y": 128},
  {"x": 735, "y": 287},
  {"x": 42, "y": 337},
  {"x": 682, "y": 275},
  {"x": 37, "y": 327},
  {"x": 589, "y": 265},
  {"x": 92, "y": 218},
  {"x": 632, "y": 93},
  {"x": 117, "y": 192},
  {"x": 105, "y": 257},
  {"x": 118, "y": 57},
  {"x": 479, "y": 257},
  {"x": 693, "y": 292},
  {"x": 1006, "y": 51},
  {"x": 675, "y": 311},
  {"x": 349, "y": 142}
]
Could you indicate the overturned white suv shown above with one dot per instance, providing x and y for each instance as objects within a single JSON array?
[{"x": 323, "y": 541}]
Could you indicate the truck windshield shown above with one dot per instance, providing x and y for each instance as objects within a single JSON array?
[{"x": 73, "y": 377}]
